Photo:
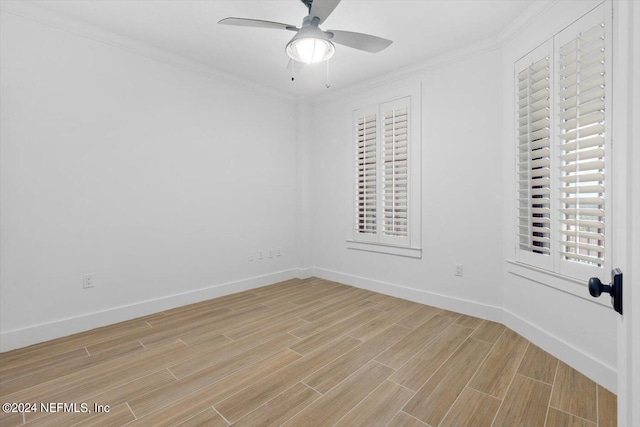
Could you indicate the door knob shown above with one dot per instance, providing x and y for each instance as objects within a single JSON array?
[{"x": 596, "y": 288}]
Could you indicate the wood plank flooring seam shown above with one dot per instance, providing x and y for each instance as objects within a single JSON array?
[
  {"x": 523, "y": 404},
  {"x": 302, "y": 382},
  {"x": 573, "y": 415},
  {"x": 426, "y": 344},
  {"x": 597, "y": 407},
  {"x": 458, "y": 398},
  {"x": 300, "y": 354},
  {"x": 490, "y": 342},
  {"x": 493, "y": 345},
  {"x": 536, "y": 380},
  {"x": 271, "y": 402},
  {"x": 384, "y": 364},
  {"x": 130, "y": 410},
  {"x": 482, "y": 369},
  {"x": 443, "y": 363},
  {"x": 480, "y": 391},
  {"x": 411, "y": 416},
  {"x": 331, "y": 345},
  {"x": 390, "y": 380},
  {"x": 232, "y": 340},
  {"x": 218, "y": 412},
  {"x": 361, "y": 400},
  {"x": 297, "y": 413},
  {"x": 509, "y": 388},
  {"x": 172, "y": 374},
  {"x": 546, "y": 417}
]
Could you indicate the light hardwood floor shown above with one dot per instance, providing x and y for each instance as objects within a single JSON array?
[{"x": 302, "y": 353}]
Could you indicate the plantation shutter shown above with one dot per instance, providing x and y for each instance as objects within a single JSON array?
[
  {"x": 395, "y": 137},
  {"x": 366, "y": 180},
  {"x": 581, "y": 118},
  {"x": 533, "y": 158}
]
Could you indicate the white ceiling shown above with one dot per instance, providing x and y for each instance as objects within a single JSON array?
[{"x": 420, "y": 29}]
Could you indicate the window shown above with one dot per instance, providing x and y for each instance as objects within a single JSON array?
[
  {"x": 563, "y": 148},
  {"x": 387, "y": 176}
]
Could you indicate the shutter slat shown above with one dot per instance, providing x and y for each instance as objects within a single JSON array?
[
  {"x": 581, "y": 155},
  {"x": 579, "y": 189}
]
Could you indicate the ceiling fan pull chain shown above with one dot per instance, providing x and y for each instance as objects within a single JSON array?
[
  {"x": 328, "y": 85},
  {"x": 293, "y": 69}
]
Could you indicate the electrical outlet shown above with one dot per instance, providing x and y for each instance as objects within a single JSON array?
[
  {"x": 278, "y": 251},
  {"x": 458, "y": 270},
  {"x": 260, "y": 254},
  {"x": 251, "y": 256},
  {"x": 88, "y": 281}
]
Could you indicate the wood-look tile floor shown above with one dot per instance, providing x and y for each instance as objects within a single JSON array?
[{"x": 302, "y": 353}]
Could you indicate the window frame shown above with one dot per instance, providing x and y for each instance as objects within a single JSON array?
[
  {"x": 554, "y": 264},
  {"x": 409, "y": 246}
]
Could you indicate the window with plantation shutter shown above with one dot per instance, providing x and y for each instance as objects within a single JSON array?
[
  {"x": 533, "y": 167},
  {"x": 387, "y": 177},
  {"x": 562, "y": 149}
]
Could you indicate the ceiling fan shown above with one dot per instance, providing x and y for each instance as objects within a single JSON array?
[{"x": 310, "y": 44}]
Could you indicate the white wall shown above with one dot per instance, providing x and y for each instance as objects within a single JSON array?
[
  {"x": 158, "y": 179},
  {"x": 556, "y": 314},
  {"x": 461, "y": 207}
]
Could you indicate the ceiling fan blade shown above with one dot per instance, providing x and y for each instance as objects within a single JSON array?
[
  {"x": 244, "y": 22},
  {"x": 322, "y": 8},
  {"x": 359, "y": 41}
]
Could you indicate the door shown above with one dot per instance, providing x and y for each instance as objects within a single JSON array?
[{"x": 626, "y": 200}]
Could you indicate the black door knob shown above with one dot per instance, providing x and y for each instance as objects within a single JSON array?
[{"x": 596, "y": 287}]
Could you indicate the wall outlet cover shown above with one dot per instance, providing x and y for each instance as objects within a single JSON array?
[{"x": 88, "y": 280}]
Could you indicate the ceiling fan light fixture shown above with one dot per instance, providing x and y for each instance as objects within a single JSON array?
[{"x": 310, "y": 50}]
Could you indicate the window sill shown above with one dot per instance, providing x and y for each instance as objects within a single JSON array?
[
  {"x": 556, "y": 281},
  {"x": 385, "y": 249}
]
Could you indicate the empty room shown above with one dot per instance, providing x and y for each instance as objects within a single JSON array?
[{"x": 320, "y": 213}]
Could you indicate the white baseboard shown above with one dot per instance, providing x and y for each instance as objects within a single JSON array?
[
  {"x": 599, "y": 372},
  {"x": 43, "y": 332},
  {"x": 305, "y": 273},
  {"x": 472, "y": 308}
]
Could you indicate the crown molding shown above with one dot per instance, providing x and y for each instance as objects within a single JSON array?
[
  {"x": 413, "y": 71},
  {"x": 524, "y": 20},
  {"x": 30, "y": 11},
  {"x": 27, "y": 10}
]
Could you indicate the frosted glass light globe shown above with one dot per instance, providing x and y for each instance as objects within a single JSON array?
[{"x": 310, "y": 50}]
